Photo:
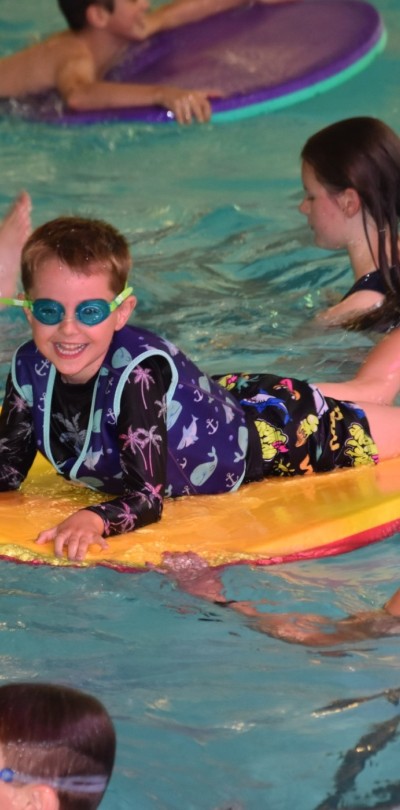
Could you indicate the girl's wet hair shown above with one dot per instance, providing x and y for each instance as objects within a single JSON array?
[
  {"x": 85, "y": 246},
  {"x": 52, "y": 731},
  {"x": 363, "y": 153},
  {"x": 74, "y": 11}
]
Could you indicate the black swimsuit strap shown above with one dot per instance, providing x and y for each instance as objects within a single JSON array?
[{"x": 372, "y": 281}]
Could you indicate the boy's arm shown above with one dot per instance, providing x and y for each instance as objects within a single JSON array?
[
  {"x": 142, "y": 444},
  {"x": 181, "y": 12},
  {"x": 17, "y": 441},
  {"x": 81, "y": 90},
  {"x": 193, "y": 575},
  {"x": 142, "y": 440}
]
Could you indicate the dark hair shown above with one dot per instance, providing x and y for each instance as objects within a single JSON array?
[
  {"x": 74, "y": 11},
  {"x": 53, "y": 731},
  {"x": 363, "y": 153},
  {"x": 83, "y": 245}
]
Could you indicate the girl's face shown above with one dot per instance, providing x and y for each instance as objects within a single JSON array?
[{"x": 324, "y": 211}]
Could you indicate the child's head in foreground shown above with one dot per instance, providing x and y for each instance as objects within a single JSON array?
[
  {"x": 85, "y": 246},
  {"x": 57, "y": 748},
  {"x": 74, "y": 274}
]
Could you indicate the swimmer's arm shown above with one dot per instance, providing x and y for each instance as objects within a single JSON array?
[
  {"x": 310, "y": 630},
  {"x": 17, "y": 440},
  {"x": 193, "y": 575},
  {"x": 377, "y": 381},
  {"x": 314, "y": 630},
  {"x": 81, "y": 90},
  {"x": 181, "y": 12},
  {"x": 320, "y": 631},
  {"x": 350, "y": 308}
]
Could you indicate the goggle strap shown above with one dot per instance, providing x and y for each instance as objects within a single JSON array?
[
  {"x": 126, "y": 292},
  {"x": 20, "y": 302},
  {"x": 16, "y": 302},
  {"x": 79, "y": 784}
]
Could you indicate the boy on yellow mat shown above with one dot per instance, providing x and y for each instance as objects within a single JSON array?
[{"x": 123, "y": 411}]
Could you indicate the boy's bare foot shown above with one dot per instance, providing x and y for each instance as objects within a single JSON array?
[{"x": 14, "y": 231}]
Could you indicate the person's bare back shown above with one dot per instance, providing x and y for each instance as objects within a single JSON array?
[{"x": 36, "y": 68}]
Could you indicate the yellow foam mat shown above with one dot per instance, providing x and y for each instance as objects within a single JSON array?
[{"x": 267, "y": 522}]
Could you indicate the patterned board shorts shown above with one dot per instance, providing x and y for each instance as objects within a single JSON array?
[{"x": 300, "y": 430}]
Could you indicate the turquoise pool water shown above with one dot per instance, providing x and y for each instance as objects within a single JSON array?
[{"x": 211, "y": 714}]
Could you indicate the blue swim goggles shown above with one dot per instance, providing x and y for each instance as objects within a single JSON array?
[
  {"x": 78, "y": 784},
  {"x": 90, "y": 312}
]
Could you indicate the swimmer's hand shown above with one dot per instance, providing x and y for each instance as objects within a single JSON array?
[
  {"x": 193, "y": 575},
  {"x": 187, "y": 105},
  {"x": 75, "y": 535}
]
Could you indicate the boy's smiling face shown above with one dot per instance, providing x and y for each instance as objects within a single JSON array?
[{"x": 76, "y": 350}]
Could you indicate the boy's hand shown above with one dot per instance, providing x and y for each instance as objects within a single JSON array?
[
  {"x": 75, "y": 535},
  {"x": 187, "y": 105}
]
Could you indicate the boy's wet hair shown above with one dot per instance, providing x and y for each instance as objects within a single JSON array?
[
  {"x": 52, "y": 731},
  {"x": 363, "y": 153},
  {"x": 74, "y": 11},
  {"x": 85, "y": 246}
]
